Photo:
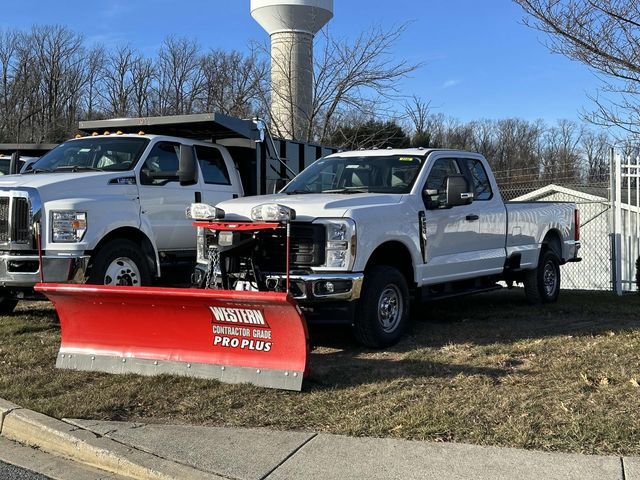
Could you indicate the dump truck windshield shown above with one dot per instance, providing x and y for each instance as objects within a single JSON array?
[
  {"x": 113, "y": 154},
  {"x": 367, "y": 174}
]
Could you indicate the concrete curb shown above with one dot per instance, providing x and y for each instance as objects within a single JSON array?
[{"x": 74, "y": 443}]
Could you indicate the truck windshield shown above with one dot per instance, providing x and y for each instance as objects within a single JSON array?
[
  {"x": 116, "y": 154},
  {"x": 375, "y": 174}
]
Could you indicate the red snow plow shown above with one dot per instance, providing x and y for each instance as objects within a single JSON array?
[{"x": 234, "y": 336}]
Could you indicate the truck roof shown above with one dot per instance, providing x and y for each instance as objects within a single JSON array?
[{"x": 414, "y": 152}]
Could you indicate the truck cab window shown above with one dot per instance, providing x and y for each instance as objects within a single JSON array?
[
  {"x": 214, "y": 170},
  {"x": 442, "y": 168},
  {"x": 481, "y": 184},
  {"x": 161, "y": 165}
]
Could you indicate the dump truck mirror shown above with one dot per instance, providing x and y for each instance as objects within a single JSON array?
[
  {"x": 458, "y": 191},
  {"x": 13, "y": 164},
  {"x": 188, "y": 173}
]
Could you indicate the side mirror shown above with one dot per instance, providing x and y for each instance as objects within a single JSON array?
[
  {"x": 13, "y": 164},
  {"x": 458, "y": 191},
  {"x": 279, "y": 185},
  {"x": 188, "y": 173}
]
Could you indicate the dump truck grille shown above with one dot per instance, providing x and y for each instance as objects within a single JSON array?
[
  {"x": 15, "y": 218},
  {"x": 20, "y": 225},
  {"x": 4, "y": 219}
]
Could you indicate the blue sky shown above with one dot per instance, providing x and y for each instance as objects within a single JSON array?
[{"x": 479, "y": 60}]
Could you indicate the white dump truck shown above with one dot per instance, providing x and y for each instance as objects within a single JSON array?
[
  {"x": 108, "y": 206},
  {"x": 370, "y": 231}
]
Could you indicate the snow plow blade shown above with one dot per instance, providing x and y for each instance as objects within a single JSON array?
[{"x": 232, "y": 336}]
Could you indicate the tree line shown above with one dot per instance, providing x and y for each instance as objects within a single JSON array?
[{"x": 49, "y": 80}]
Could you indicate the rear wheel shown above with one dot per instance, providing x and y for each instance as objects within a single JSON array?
[
  {"x": 120, "y": 262},
  {"x": 542, "y": 285},
  {"x": 383, "y": 308}
]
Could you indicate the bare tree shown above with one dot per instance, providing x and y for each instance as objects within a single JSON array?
[
  {"x": 595, "y": 148},
  {"x": 180, "y": 78},
  {"x": 232, "y": 82},
  {"x": 417, "y": 111},
  {"x": 605, "y": 36},
  {"x": 118, "y": 81}
]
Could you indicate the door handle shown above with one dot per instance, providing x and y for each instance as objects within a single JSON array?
[{"x": 472, "y": 218}]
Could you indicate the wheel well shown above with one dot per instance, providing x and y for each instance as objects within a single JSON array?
[
  {"x": 393, "y": 254},
  {"x": 553, "y": 241},
  {"x": 133, "y": 235}
]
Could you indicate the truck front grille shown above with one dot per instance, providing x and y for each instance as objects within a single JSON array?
[
  {"x": 307, "y": 246},
  {"x": 20, "y": 225},
  {"x": 15, "y": 219},
  {"x": 4, "y": 219}
]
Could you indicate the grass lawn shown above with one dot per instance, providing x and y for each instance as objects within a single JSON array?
[{"x": 486, "y": 369}]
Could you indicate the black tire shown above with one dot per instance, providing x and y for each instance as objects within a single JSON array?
[
  {"x": 7, "y": 305},
  {"x": 542, "y": 285},
  {"x": 120, "y": 262},
  {"x": 383, "y": 308}
]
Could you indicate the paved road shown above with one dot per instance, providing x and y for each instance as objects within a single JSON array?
[{"x": 11, "y": 472}]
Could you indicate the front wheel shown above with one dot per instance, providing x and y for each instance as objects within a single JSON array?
[
  {"x": 542, "y": 285},
  {"x": 120, "y": 262},
  {"x": 383, "y": 309}
]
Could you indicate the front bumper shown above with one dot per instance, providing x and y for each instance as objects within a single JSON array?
[
  {"x": 309, "y": 288},
  {"x": 24, "y": 270},
  {"x": 324, "y": 287}
]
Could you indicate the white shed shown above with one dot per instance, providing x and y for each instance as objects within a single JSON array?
[{"x": 594, "y": 272}]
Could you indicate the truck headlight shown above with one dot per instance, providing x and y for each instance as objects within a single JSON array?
[
  {"x": 272, "y": 212},
  {"x": 341, "y": 242},
  {"x": 202, "y": 211},
  {"x": 68, "y": 226}
]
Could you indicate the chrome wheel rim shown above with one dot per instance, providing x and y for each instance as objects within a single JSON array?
[
  {"x": 390, "y": 308},
  {"x": 122, "y": 271},
  {"x": 550, "y": 279}
]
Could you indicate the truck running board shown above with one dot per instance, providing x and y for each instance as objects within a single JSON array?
[
  {"x": 427, "y": 295},
  {"x": 231, "y": 336}
]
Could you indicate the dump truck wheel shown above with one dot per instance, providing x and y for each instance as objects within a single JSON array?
[
  {"x": 383, "y": 309},
  {"x": 542, "y": 285},
  {"x": 120, "y": 262},
  {"x": 7, "y": 305}
]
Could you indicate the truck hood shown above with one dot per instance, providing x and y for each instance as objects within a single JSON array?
[
  {"x": 52, "y": 186},
  {"x": 308, "y": 207}
]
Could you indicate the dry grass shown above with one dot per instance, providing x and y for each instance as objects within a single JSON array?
[{"x": 486, "y": 370}]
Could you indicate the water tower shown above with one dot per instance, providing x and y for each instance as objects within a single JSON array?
[{"x": 292, "y": 25}]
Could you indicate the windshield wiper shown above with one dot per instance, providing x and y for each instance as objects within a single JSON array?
[
  {"x": 348, "y": 190},
  {"x": 76, "y": 168},
  {"x": 38, "y": 170}
]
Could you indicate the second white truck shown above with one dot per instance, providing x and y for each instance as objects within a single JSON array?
[{"x": 371, "y": 231}]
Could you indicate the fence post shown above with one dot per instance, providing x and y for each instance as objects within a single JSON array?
[{"x": 616, "y": 221}]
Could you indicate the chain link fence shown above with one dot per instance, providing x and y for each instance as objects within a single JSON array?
[{"x": 594, "y": 202}]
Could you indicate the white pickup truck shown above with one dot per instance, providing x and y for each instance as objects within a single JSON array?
[
  {"x": 373, "y": 230},
  {"x": 109, "y": 207}
]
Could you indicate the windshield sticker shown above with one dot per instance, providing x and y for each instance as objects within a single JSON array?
[
  {"x": 406, "y": 159},
  {"x": 356, "y": 167}
]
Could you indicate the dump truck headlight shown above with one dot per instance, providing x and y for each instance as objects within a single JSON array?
[
  {"x": 341, "y": 243},
  {"x": 272, "y": 212},
  {"x": 202, "y": 211},
  {"x": 68, "y": 226}
]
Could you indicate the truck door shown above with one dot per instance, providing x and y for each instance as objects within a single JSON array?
[
  {"x": 489, "y": 246},
  {"x": 452, "y": 233},
  {"x": 219, "y": 180},
  {"x": 163, "y": 201}
]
